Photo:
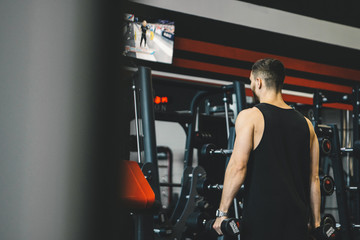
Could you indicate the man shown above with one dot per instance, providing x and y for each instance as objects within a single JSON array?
[
  {"x": 276, "y": 156},
  {"x": 144, "y": 28}
]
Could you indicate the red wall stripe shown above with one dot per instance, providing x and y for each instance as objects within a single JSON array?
[
  {"x": 248, "y": 92},
  {"x": 339, "y": 106},
  {"x": 251, "y": 56},
  {"x": 317, "y": 85},
  {"x": 185, "y": 63}
]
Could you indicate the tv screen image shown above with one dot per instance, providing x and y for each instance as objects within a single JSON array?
[{"x": 149, "y": 39}]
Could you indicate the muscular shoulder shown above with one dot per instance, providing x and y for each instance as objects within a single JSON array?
[{"x": 248, "y": 116}]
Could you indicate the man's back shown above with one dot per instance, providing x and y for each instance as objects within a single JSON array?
[
  {"x": 277, "y": 186},
  {"x": 276, "y": 156}
]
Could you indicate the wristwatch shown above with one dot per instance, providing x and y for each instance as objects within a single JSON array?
[{"x": 220, "y": 213}]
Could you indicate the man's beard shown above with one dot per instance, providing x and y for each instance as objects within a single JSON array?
[{"x": 256, "y": 98}]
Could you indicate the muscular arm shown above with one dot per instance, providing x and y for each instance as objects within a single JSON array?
[
  {"x": 315, "y": 195},
  {"x": 236, "y": 169}
]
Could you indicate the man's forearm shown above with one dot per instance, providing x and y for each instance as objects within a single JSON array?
[
  {"x": 234, "y": 178},
  {"x": 315, "y": 201}
]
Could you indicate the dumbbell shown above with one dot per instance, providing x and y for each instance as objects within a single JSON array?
[
  {"x": 324, "y": 232},
  {"x": 210, "y": 149},
  {"x": 229, "y": 226},
  {"x": 198, "y": 221},
  {"x": 328, "y": 219},
  {"x": 327, "y": 185},
  {"x": 203, "y": 187}
]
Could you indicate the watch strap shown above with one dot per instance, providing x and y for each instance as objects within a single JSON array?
[{"x": 220, "y": 213}]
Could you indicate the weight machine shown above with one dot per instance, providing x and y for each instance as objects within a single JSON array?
[
  {"x": 332, "y": 153},
  {"x": 150, "y": 223}
]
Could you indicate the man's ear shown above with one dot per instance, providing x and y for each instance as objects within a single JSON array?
[{"x": 259, "y": 82}]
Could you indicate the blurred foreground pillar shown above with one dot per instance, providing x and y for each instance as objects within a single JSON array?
[{"x": 63, "y": 119}]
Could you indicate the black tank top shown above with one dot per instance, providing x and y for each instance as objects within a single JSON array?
[
  {"x": 277, "y": 184},
  {"x": 144, "y": 29}
]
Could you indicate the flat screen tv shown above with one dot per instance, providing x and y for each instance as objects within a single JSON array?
[{"x": 148, "y": 39}]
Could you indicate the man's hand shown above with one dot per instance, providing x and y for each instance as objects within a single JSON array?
[
  {"x": 217, "y": 225},
  {"x": 316, "y": 224},
  {"x": 312, "y": 226}
]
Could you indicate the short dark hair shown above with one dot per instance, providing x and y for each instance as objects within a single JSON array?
[{"x": 272, "y": 71}]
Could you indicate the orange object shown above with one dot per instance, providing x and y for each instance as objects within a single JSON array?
[
  {"x": 157, "y": 100},
  {"x": 137, "y": 192}
]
